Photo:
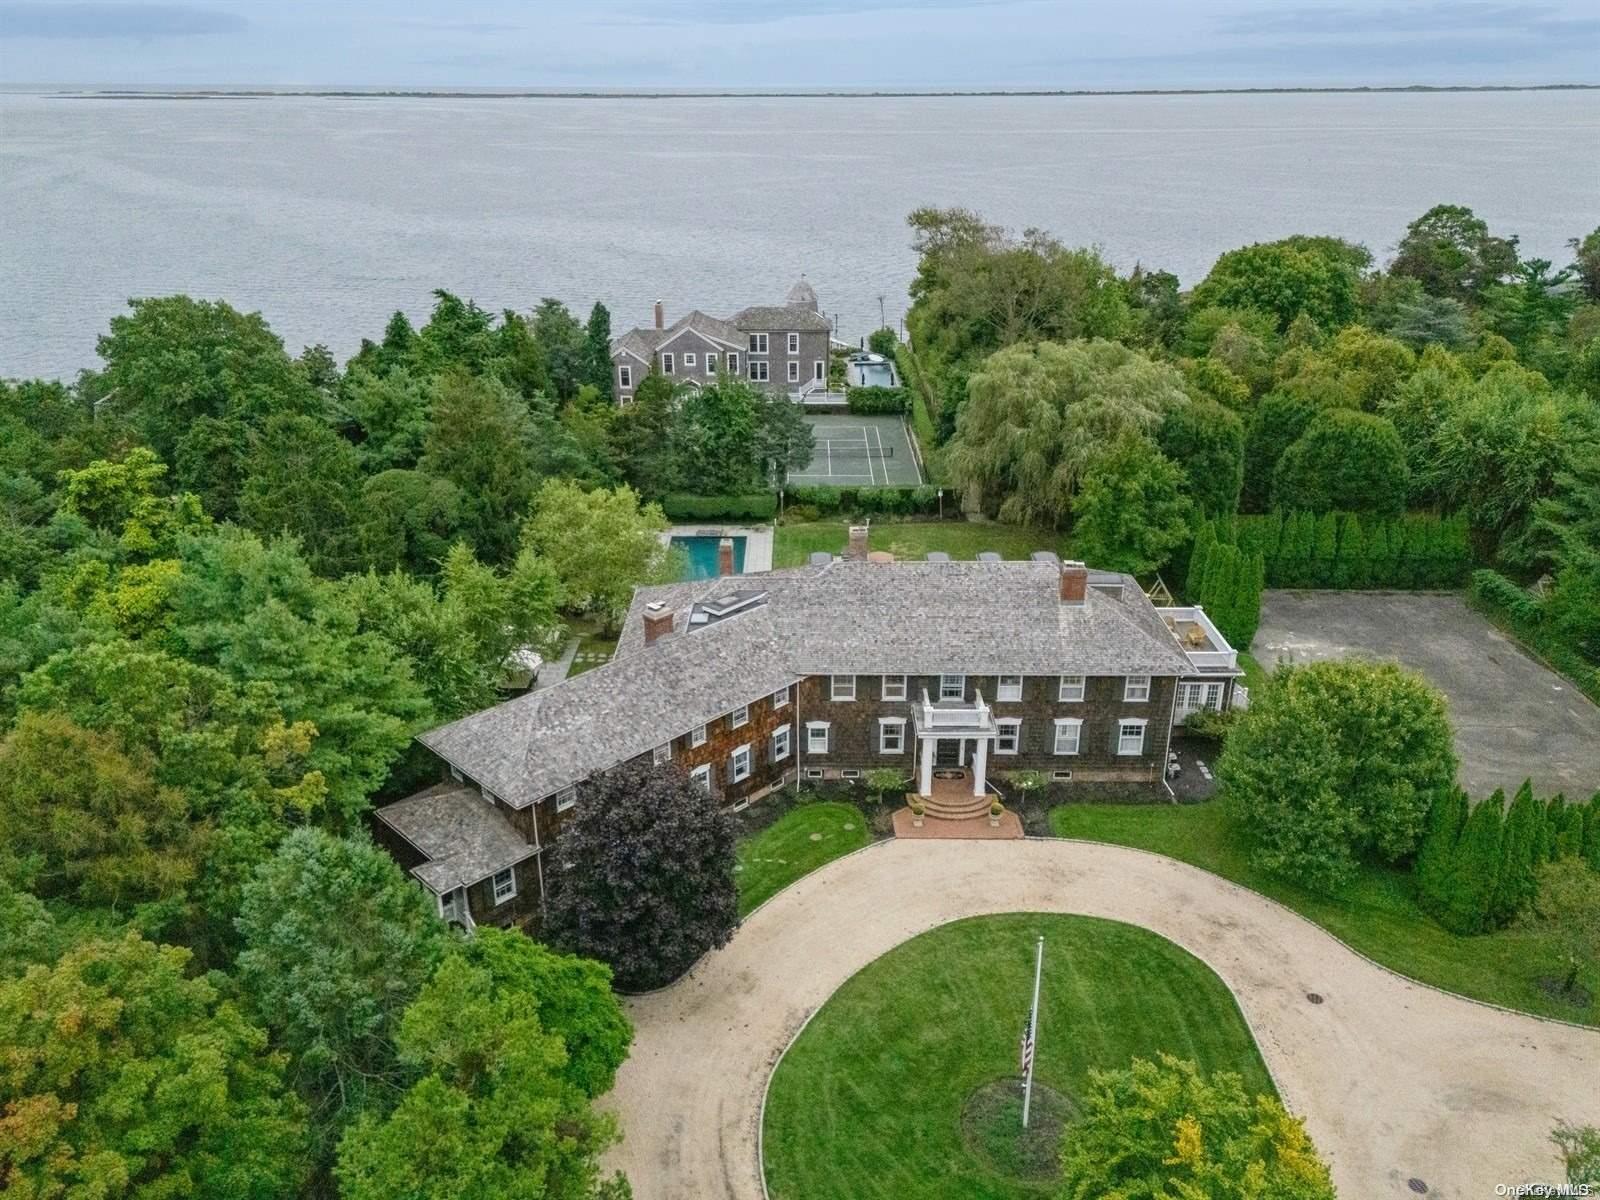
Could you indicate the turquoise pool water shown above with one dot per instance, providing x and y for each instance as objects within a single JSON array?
[{"x": 702, "y": 552}]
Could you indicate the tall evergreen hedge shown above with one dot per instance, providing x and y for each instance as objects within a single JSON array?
[{"x": 1344, "y": 550}]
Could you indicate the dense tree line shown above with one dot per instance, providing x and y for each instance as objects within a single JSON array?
[
  {"x": 233, "y": 585},
  {"x": 1298, "y": 377}
]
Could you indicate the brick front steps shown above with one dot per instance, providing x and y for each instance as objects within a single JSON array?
[{"x": 976, "y": 828}]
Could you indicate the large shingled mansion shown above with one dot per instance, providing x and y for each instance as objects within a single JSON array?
[
  {"x": 948, "y": 671},
  {"x": 782, "y": 346}
]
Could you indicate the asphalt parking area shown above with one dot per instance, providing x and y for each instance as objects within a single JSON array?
[{"x": 1514, "y": 718}]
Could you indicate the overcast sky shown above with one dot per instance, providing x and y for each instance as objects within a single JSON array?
[{"x": 798, "y": 43}]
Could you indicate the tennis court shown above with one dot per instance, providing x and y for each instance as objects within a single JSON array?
[{"x": 860, "y": 452}]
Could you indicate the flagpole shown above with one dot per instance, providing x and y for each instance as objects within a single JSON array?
[{"x": 1033, "y": 1031}]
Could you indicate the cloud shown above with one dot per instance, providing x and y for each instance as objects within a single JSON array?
[
  {"x": 83, "y": 21},
  {"x": 766, "y": 12},
  {"x": 1345, "y": 20}
]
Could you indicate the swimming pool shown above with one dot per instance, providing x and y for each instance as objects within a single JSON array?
[{"x": 702, "y": 552}]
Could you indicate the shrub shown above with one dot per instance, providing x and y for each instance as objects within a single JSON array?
[
  {"x": 873, "y": 401},
  {"x": 1337, "y": 762},
  {"x": 883, "y": 341},
  {"x": 1495, "y": 589},
  {"x": 683, "y": 506},
  {"x": 1209, "y": 723},
  {"x": 1344, "y": 460}
]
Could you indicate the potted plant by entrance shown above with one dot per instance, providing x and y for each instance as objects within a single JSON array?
[
  {"x": 995, "y": 809},
  {"x": 916, "y": 813}
]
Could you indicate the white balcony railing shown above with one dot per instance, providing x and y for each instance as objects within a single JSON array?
[
  {"x": 954, "y": 715},
  {"x": 1199, "y": 639}
]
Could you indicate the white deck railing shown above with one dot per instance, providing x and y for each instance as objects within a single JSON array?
[
  {"x": 954, "y": 715},
  {"x": 1221, "y": 657}
]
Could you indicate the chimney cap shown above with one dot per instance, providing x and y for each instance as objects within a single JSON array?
[{"x": 654, "y": 606}]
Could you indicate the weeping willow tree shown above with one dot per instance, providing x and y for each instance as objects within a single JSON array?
[{"x": 1037, "y": 413}]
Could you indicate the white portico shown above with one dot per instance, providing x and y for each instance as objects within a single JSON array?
[{"x": 943, "y": 729}]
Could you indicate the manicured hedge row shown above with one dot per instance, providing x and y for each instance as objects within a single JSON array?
[
  {"x": 1522, "y": 614},
  {"x": 867, "y": 500},
  {"x": 761, "y": 506},
  {"x": 1344, "y": 550},
  {"x": 870, "y": 401}
]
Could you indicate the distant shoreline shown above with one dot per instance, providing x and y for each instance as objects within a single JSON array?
[{"x": 758, "y": 94}]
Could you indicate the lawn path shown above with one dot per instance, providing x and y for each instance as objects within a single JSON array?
[{"x": 1395, "y": 1080}]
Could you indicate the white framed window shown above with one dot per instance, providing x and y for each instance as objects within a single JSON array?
[
  {"x": 1069, "y": 735},
  {"x": 1136, "y": 689},
  {"x": 842, "y": 687},
  {"x": 850, "y": 773},
  {"x": 891, "y": 735},
  {"x": 952, "y": 687},
  {"x": 1009, "y": 688},
  {"x": 455, "y": 773},
  {"x": 780, "y": 697},
  {"x": 794, "y": 343},
  {"x": 1214, "y": 697},
  {"x": 816, "y": 737},
  {"x": 739, "y": 716},
  {"x": 815, "y": 773},
  {"x": 661, "y": 754},
  {"x": 818, "y": 371},
  {"x": 1007, "y": 735},
  {"x": 449, "y": 905},
  {"x": 739, "y": 763},
  {"x": 625, "y": 376},
  {"x": 733, "y": 362},
  {"x": 794, "y": 371},
  {"x": 781, "y": 741},
  {"x": 701, "y": 777},
  {"x": 1130, "y": 736},
  {"x": 711, "y": 363},
  {"x": 894, "y": 687},
  {"x": 624, "y": 401},
  {"x": 688, "y": 359},
  {"x": 697, "y": 736},
  {"x": 1071, "y": 689},
  {"x": 505, "y": 885},
  {"x": 1062, "y": 776},
  {"x": 666, "y": 363},
  {"x": 566, "y": 798},
  {"x": 758, "y": 370},
  {"x": 758, "y": 343}
]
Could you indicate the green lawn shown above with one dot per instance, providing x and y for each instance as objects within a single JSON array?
[
  {"x": 1254, "y": 673},
  {"x": 794, "y": 544},
  {"x": 799, "y": 842},
  {"x": 1378, "y": 916},
  {"x": 867, "y": 1104}
]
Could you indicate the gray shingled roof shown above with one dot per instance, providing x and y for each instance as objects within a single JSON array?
[
  {"x": 644, "y": 342},
  {"x": 763, "y": 317},
  {"x": 464, "y": 837},
  {"x": 541, "y": 742},
  {"x": 862, "y": 618}
]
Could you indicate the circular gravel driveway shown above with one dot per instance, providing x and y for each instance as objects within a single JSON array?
[{"x": 1396, "y": 1081}]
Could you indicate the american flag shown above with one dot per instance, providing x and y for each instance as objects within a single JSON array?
[{"x": 1026, "y": 1049}]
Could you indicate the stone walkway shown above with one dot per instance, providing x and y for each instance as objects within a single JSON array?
[
  {"x": 1395, "y": 1080},
  {"x": 972, "y": 829}
]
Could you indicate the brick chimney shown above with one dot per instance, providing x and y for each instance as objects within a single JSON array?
[
  {"x": 725, "y": 556},
  {"x": 856, "y": 549},
  {"x": 1074, "y": 582},
  {"x": 657, "y": 621},
  {"x": 661, "y": 316}
]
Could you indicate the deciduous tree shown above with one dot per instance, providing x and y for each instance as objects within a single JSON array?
[
  {"x": 1131, "y": 511},
  {"x": 601, "y": 544},
  {"x": 127, "y": 1077},
  {"x": 1159, "y": 1129},
  {"x": 1337, "y": 762},
  {"x": 644, "y": 877}
]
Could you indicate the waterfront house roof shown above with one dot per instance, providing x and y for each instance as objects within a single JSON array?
[
  {"x": 642, "y": 343},
  {"x": 779, "y": 318},
  {"x": 463, "y": 838},
  {"x": 842, "y": 617}
]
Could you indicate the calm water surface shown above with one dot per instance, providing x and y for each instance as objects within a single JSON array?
[{"x": 329, "y": 214}]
